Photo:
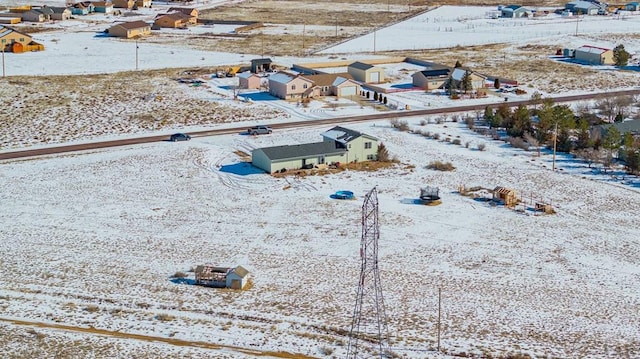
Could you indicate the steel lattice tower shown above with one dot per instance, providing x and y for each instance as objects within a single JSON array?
[{"x": 369, "y": 336}]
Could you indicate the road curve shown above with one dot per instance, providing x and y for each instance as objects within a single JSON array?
[{"x": 327, "y": 121}]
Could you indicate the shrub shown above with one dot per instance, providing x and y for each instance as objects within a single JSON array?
[
  {"x": 179, "y": 275},
  {"x": 441, "y": 166},
  {"x": 436, "y": 136},
  {"x": 456, "y": 142},
  {"x": 466, "y": 144},
  {"x": 470, "y": 122},
  {"x": 383, "y": 153},
  {"x": 399, "y": 124},
  {"x": 481, "y": 146},
  {"x": 518, "y": 142},
  {"x": 164, "y": 317},
  {"x": 92, "y": 308},
  {"x": 423, "y": 122},
  {"x": 326, "y": 350}
]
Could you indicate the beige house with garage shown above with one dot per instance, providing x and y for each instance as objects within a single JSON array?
[
  {"x": 130, "y": 30},
  {"x": 288, "y": 86},
  {"x": 366, "y": 73}
]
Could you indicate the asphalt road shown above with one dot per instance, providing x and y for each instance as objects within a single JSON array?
[{"x": 329, "y": 121}]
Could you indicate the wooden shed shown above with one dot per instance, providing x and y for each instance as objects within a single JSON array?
[
  {"x": 505, "y": 195},
  {"x": 221, "y": 277}
]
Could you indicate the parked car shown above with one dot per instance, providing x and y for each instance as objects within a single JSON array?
[
  {"x": 260, "y": 130},
  {"x": 179, "y": 137}
]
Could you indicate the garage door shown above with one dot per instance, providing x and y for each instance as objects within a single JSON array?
[
  {"x": 348, "y": 91},
  {"x": 375, "y": 77}
]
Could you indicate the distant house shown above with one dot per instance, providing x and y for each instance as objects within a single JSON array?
[
  {"x": 260, "y": 65},
  {"x": 366, "y": 73},
  {"x": 60, "y": 13},
  {"x": 37, "y": 15},
  {"x": 83, "y": 8},
  {"x": 142, "y": 3},
  {"x": 172, "y": 20},
  {"x": 10, "y": 18},
  {"x": 582, "y": 7},
  {"x": 190, "y": 11},
  {"x": 221, "y": 277},
  {"x": 624, "y": 127},
  {"x": 103, "y": 7},
  {"x": 130, "y": 29},
  {"x": 478, "y": 81},
  {"x": 431, "y": 79},
  {"x": 124, "y": 4},
  {"x": 339, "y": 145},
  {"x": 515, "y": 11},
  {"x": 632, "y": 6},
  {"x": 338, "y": 84},
  {"x": 287, "y": 86},
  {"x": 594, "y": 55},
  {"x": 248, "y": 80},
  {"x": 17, "y": 42}
]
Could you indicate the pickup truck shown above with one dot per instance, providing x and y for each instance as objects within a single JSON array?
[{"x": 259, "y": 130}]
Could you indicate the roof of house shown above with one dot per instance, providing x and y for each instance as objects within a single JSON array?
[
  {"x": 343, "y": 135},
  {"x": 102, "y": 3},
  {"x": 634, "y": 3},
  {"x": 340, "y": 80},
  {"x": 261, "y": 61},
  {"x": 288, "y": 152},
  {"x": 184, "y": 10},
  {"x": 246, "y": 75},
  {"x": 208, "y": 268},
  {"x": 4, "y": 31},
  {"x": 583, "y": 4},
  {"x": 175, "y": 16},
  {"x": 133, "y": 25},
  {"x": 282, "y": 77},
  {"x": 326, "y": 79},
  {"x": 360, "y": 65},
  {"x": 592, "y": 49},
  {"x": 435, "y": 72},
  {"x": 241, "y": 271},
  {"x": 632, "y": 126},
  {"x": 59, "y": 10},
  {"x": 458, "y": 73},
  {"x": 512, "y": 7}
]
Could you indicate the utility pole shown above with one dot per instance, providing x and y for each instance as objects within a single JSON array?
[
  {"x": 262, "y": 45},
  {"x": 555, "y": 144},
  {"x": 336, "y": 28},
  {"x": 3, "y": 74},
  {"x": 374, "y": 41},
  {"x": 136, "y": 55},
  {"x": 304, "y": 27}
]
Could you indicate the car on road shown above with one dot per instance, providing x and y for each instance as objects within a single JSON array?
[
  {"x": 179, "y": 137},
  {"x": 260, "y": 130}
]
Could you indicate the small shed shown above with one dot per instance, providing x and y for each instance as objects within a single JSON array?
[
  {"x": 366, "y": 73},
  {"x": 237, "y": 278},
  {"x": 248, "y": 80},
  {"x": 505, "y": 195},
  {"x": 221, "y": 277},
  {"x": 260, "y": 65}
]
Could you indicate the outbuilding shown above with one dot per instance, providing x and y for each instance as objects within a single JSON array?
[
  {"x": 594, "y": 55},
  {"x": 130, "y": 29},
  {"x": 582, "y": 7},
  {"x": 366, "y": 73},
  {"x": 248, "y": 80}
]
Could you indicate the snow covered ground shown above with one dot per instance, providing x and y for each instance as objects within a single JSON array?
[{"x": 95, "y": 237}]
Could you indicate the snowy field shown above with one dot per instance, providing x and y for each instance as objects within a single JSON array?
[{"x": 95, "y": 237}]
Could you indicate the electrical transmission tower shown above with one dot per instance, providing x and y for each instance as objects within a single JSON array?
[{"x": 369, "y": 336}]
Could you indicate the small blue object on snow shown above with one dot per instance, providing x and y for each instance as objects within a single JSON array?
[{"x": 343, "y": 195}]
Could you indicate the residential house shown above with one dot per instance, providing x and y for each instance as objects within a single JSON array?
[
  {"x": 594, "y": 55},
  {"x": 339, "y": 145},
  {"x": 130, "y": 29},
  {"x": 37, "y": 15},
  {"x": 142, "y": 3},
  {"x": 260, "y": 65},
  {"x": 248, "y": 80},
  {"x": 360, "y": 146},
  {"x": 82, "y": 8},
  {"x": 60, "y": 13},
  {"x": 366, "y": 73},
  {"x": 191, "y": 11},
  {"x": 337, "y": 84},
  {"x": 632, "y": 6},
  {"x": 124, "y": 4},
  {"x": 431, "y": 79},
  {"x": 288, "y": 86},
  {"x": 515, "y": 11},
  {"x": 478, "y": 81},
  {"x": 581, "y": 7},
  {"x": 17, "y": 42},
  {"x": 102, "y": 7},
  {"x": 172, "y": 20},
  {"x": 10, "y": 18}
]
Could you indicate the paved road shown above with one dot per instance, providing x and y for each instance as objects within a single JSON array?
[{"x": 327, "y": 121}]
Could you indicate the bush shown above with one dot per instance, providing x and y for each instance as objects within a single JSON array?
[
  {"x": 400, "y": 125},
  {"x": 163, "y": 317},
  {"x": 456, "y": 142},
  {"x": 179, "y": 275},
  {"x": 518, "y": 142},
  {"x": 466, "y": 144},
  {"x": 441, "y": 166},
  {"x": 423, "y": 122},
  {"x": 436, "y": 136},
  {"x": 326, "y": 350},
  {"x": 481, "y": 146},
  {"x": 470, "y": 122}
]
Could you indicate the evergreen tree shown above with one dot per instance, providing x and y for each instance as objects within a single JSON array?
[
  {"x": 383, "y": 153},
  {"x": 620, "y": 56},
  {"x": 465, "y": 82},
  {"x": 632, "y": 160},
  {"x": 521, "y": 122},
  {"x": 496, "y": 83},
  {"x": 612, "y": 140},
  {"x": 584, "y": 136},
  {"x": 458, "y": 64}
]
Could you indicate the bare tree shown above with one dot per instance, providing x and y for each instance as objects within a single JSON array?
[
  {"x": 589, "y": 155},
  {"x": 533, "y": 141},
  {"x": 623, "y": 105}
]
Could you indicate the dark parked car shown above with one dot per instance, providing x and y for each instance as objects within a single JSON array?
[{"x": 179, "y": 137}]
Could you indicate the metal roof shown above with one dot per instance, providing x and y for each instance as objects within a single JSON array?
[
  {"x": 133, "y": 25},
  {"x": 344, "y": 135},
  {"x": 360, "y": 65},
  {"x": 291, "y": 152}
]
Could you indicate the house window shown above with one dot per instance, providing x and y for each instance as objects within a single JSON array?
[
  {"x": 326, "y": 88},
  {"x": 293, "y": 87},
  {"x": 4, "y": 41},
  {"x": 371, "y": 157},
  {"x": 367, "y": 145},
  {"x": 22, "y": 39},
  {"x": 304, "y": 86}
]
